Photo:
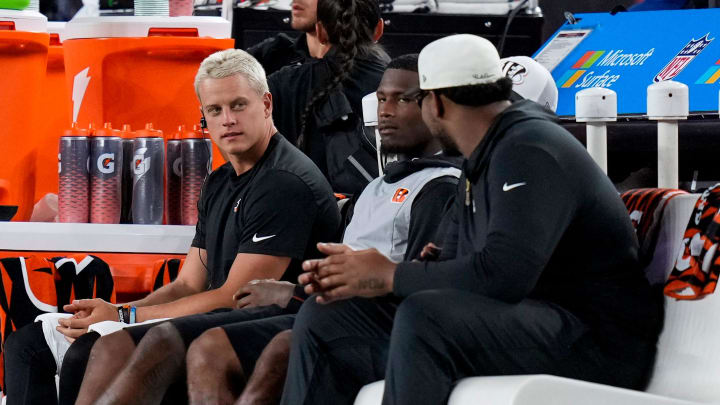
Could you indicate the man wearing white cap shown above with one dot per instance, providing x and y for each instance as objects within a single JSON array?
[
  {"x": 541, "y": 277},
  {"x": 531, "y": 80}
]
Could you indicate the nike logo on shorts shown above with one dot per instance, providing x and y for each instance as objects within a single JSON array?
[
  {"x": 257, "y": 239},
  {"x": 512, "y": 186}
]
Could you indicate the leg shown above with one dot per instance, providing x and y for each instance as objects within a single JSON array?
[
  {"x": 73, "y": 367},
  {"x": 213, "y": 366},
  {"x": 211, "y": 381},
  {"x": 444, "y": 335},
  {"x": 264, "y": 387},
  {"x": 153, "y": 366},
  {"x": 336, "y": 349},
  {"x": 159, "y": 359},
  {"x": 29, "y": 367},
  {"x": 108, "y": 356}
]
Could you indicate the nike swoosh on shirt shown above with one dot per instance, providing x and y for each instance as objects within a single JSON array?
[
  {"x": 512, "y": 186},
  {"x": 261, "y": 238}
]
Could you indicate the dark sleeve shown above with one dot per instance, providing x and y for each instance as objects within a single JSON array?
[
  {"x": 525, "y": 225},
  {"x": 278, "y": 216},
  {"x": 447, "y": 233},
  {"x": 199, "y": 239},
  {"x": 425, "y": 214},
  {"x": 299, "y": 296},
  {"x": 273, "y": 53}
]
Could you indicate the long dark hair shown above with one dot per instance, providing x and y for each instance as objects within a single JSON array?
[{"x": 350, "y": 25}]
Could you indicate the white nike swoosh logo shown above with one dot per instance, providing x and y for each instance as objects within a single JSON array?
[
  {"x": 262, "y": 238},
  {"x": 512, "y": 186}
]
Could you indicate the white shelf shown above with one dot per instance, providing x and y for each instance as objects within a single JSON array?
[{"x": 63, "y": 237}]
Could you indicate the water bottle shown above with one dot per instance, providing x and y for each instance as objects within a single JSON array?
[
  {"x": 148, "y": 168},
  {"x": 106, "y": 157},
  {"x": 196, "y": 164},
  {"x": 127, "y": 174},
  {"x": 73, "y": 184},
  {"x": 173, "y": 173}
]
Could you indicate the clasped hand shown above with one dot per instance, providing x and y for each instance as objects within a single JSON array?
[{"x": 347, "y": 273}]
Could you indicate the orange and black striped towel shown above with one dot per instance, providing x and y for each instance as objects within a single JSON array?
[
  {"x": 646, "y": 207},
  {"x": 697, "y": 268}
]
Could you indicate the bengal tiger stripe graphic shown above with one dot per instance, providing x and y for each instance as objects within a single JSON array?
[
  {"x": 35, "y": 285},
  {"x": 697, "y": 267},
  {"x": 645, "y": 206}
]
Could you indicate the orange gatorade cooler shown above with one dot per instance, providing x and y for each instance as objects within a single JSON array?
[
  {"x": 55, "y": 116},
  {"x": 138, "y": 69},
  {"x": 23, "y": 57}
]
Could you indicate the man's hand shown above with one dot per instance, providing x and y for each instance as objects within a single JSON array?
[
  {"x": 87, "y": 312},
  {"x": 430, "y": 252},
  {"x": 346, "y": 273},
  {"x": 260, "y": 293}
]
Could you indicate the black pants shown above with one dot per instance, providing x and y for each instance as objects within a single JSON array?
[
  {"x": 30, "y": 367},
  {"x": 439, "y": 337}
]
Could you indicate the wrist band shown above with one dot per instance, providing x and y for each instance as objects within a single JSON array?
[
  {"x": 126, "y": 313},
  {"x": 132, "y": 314},
  {"x": 121, "y": 318}
]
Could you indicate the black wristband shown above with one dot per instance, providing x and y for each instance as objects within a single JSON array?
[{"x": 121, "y": 317}]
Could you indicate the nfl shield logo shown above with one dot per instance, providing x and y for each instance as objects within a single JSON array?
[{"x": 683, "y": 58}]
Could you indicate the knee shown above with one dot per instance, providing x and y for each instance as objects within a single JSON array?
[
  {"x": 22, "y": 344},
  {"x": 163, "y": 339},
  {"x": 314, "y": 319},
  {"x": 208, "y": 349},
  {"x": 418, "y": 308},
  {"x": 278, "y": 348},
  {"x": 110, "y": 347}
]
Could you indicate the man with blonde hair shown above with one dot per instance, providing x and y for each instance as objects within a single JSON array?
[{"x": 259, "y": 216}]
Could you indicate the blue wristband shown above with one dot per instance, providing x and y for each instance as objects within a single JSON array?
[{"x": 132, "y": 315}]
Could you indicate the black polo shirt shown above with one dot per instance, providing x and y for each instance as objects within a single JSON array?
[{"x": 282, "y": 206}]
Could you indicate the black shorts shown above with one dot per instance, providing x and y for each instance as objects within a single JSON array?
[
  {"x": 192, "y": 326},
  {"x": 249, "y": 338}
]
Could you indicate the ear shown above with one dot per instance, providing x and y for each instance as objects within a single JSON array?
[
  {"x": 321, "y": 33},
  {"x": 379, "y": 30},
  {"x": 267, "y": 102},
  {"x": 436, "y": 105}
]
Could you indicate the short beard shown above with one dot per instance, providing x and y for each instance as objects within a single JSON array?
[
  {"x": 414, "y": 151},
  {"x": 447, "y": 143}
]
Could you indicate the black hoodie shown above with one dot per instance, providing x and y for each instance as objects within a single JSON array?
[{"x": 537, "y": 218}]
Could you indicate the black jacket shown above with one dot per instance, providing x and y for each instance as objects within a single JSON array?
[
  {"x": 334, "y": 137},
  {"x": 279, "y": 51},
  {"x": 536, "y": 218}
]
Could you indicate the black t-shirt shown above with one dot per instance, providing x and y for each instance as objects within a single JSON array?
[{"x": 282, "y": 206}]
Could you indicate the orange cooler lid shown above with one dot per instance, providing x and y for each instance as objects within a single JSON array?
[
  {"x": 148, "y": 132},
  {"x": 145, "y": 26},
  {"x": 55, "y": 29},
  {"x": 25, "y": 20}
]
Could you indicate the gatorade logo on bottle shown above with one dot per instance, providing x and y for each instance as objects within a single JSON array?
[
  {"x": 141, "y": 163},
  {"x": 59, "y": 163},
  {"x": 106, "y": 163},
  {"x": 177, "y": 167}
]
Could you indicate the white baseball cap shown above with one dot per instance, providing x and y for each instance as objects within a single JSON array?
[
  {"x": 531, "y": 80},
  {"x": 458, "y": 60}
]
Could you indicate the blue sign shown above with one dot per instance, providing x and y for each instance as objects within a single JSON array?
[{"x": 629, "y": 51}]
